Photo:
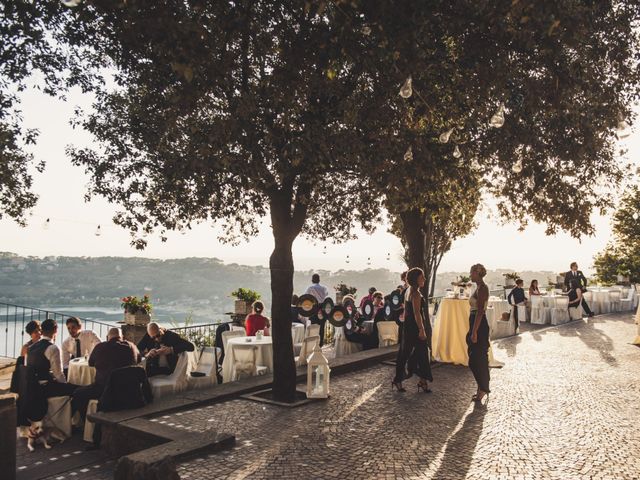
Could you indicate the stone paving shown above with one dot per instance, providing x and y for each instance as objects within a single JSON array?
[{"x": 565, "y": 405}]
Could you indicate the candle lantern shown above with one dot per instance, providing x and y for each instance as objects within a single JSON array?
[{"x": 317, "y": 374}]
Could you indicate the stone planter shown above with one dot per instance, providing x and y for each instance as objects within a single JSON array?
[
  {"x": 138, "y": 318},
  {"x": 509, "y": 282},
  {"x": 242, "y": 307}
]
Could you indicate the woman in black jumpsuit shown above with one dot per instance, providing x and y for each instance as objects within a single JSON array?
[{"x": 478, "y": 335}]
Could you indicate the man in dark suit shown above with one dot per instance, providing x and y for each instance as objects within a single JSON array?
[
  {"x": 162, "y": 347},
  {"x": 105, "y": 357},
  {"x": 575, "y": 274}
]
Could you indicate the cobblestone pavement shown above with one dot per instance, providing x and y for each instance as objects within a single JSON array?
[{"x": 565, "y": 405}]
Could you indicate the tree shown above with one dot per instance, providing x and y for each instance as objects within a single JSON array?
[{"x": 622, "y": 255}]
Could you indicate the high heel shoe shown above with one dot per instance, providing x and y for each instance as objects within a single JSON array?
[
  {"x": 424, "y": 386},
  {"x": 479, "y": 399},
  {"x": 398, "y": 386}
]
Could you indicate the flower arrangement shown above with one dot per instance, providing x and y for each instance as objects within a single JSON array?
[
  {"x": 511, "y": 276},
  {"x": 461, "y": 281},
  {"x": 345, "y": 289},
  {"x": 246, "y": 295},
  {"x": 132, "y": 304}
]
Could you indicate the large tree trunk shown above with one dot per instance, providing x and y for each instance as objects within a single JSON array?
[{"x": 414, "y": 237}]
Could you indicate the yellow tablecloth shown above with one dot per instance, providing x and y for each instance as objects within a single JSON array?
[{"x": 450, "y": 331}]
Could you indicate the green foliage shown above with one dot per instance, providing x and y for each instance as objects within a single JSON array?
[
  {"x": 246, "y": 294},
  {"x": 622, "y": 255},
  {"x": 345, "y": 289},
  {"x": 511, "y": 276},
  {"x": 134, "y": 304}
]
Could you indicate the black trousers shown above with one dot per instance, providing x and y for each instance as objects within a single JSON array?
[
  {"x": 415, "y": 353},
  {"x": 57, "y": 389},
  {"x": 585, "y": 307},
  {"x": 479, "y": 352},
  {"x": 315, "y": 321},
  {"x": 83, "y": 395}
]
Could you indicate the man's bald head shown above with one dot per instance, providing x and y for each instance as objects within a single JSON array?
[
  {"x": 153, "y": 328},
  {"x": 113, "y": 333}
]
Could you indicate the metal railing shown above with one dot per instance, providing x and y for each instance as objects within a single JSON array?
[
  {"x": 200, "y": 335},
  {"x": 14, "y": 318}
]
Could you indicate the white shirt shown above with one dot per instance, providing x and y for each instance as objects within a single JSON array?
[
  {"x": 88, "y": 340},
  {"x": 52, "y": 353},
  {"x": 318, "y": 290}
]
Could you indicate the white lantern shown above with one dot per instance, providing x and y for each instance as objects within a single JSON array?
[{"x": 317, "y": 374}]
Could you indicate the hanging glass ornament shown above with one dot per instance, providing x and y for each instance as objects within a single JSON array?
[
  {"x": 456, "y": 152},
  {"x": 70, "y": 3},
  {"x": 497, "y": 120},
  {"x": 98, "y": 231},
  {"x": 517, "y": 167},
  {"x": 635, "y": 215},
  {"x": 444, "y": 137},
  {"x": 366, "y": 30},
  {"x": 46, "y": 224},
  {"x": 531, "y": 183},
  {"x": 408, "y": 155},
  {"x": 623, "y": 129},
  {"x": 406, "y": 90}
]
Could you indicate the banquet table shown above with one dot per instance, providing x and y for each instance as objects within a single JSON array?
[
  {"x": 637, "y": 339},
  {"x": 495, "y": 308},
  {"x": 80, "y": 373},
  {"x": 449, "y": 334},
  {"x": 264, "y": 355},
  {"x": 297, "y": 332}
]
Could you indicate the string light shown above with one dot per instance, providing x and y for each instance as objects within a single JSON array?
[
  {"x": 408, "y": 155},
  {"x": 635, "y": 215},
  {"x": 407, "y": 89},
  {"x": 324, "y": 250},
  {"x": 456, "y": 152},
  {"x": 497, "y": 120},
  {"x": 366, "y": 30},
  {"x": 70, "y": 3},
  {"x": 517, "y": 167},
  {"x": 444, "y": 137},
  {"x": 623, "y": 129},
  {"x": 98, "y": 231},
  {"x": 46, "y": 224}
]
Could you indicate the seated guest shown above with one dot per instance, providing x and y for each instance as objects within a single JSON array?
[
  {"x": 295, "y": 316},
  {"x": 33, "y": 330},
  {"x": 372, "y": 290},
  {"x": 378, "y": 307},
  {"x": 517, "y": 298},
  {"x": 106, "y": 357},
  {"x": 161, "y": 348},
  {"x": 356, "y": 333},
  {"x": 256, "y": 321},
  {"x": 45, "y": 358},
  {"x": 78, "y": 343},
  {"x": 575, "y": 294},
  {"x": 576, "y": 275},
  {"x": 533, "y": 288}
]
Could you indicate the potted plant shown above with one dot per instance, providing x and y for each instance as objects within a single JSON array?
[
  {"x": 136, "y": 310},
  {"x": 244, "y": 299},
  {"x": 510, "y": 279},
  {"x": 342, "y": 290}
]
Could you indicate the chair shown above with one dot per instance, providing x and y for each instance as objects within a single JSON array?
[
  {"x": 615, "y": 299},
  {"x": 206, "y": 368},
  {"x": 387, "y": 333},
  {"x": 163, "y": 385},
  {"x": 243, "y": 361},
  {"x": 523, "y": 313},
  {"x": 311, "y": 330},
  {"x": 560, "y": 312},
  {"x": 230, "y": 334},
  {"x": 540, "y": 315},
  {"x": 604, "y": 302},
  {"x": 308, "y": 345},
  {"x": 89, "y": 426},
  {"x": 576, "y": 313},
  {"x": 342, "y": 346},
  {"x": 626, "y": 303},
  {"x": 59, "y": 414},
  {"x": 237, "y": 328}
]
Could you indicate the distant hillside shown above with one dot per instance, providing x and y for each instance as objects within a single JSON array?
[{"x": 193, "y": 283}]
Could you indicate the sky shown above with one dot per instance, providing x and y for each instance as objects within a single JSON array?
[{"x": 73, "y": 222}]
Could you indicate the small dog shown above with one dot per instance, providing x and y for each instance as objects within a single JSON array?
[{"x": 38, "y": 433}]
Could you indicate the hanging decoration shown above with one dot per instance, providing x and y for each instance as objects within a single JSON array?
[
  {"x": 497, "y": 120},
  {"x": 623, "y": 130},
  {"x": 517, "y": 167},
  {"x": 46, "y": 224},
  {"x": 408, "y": 155},
  {"x": 98, "y": 231},
  {"x": 456, "y": 152},
  {"x": 444, "y": 137},
  {"x": 71, "y": 3},
  {"x": 407, "y": 89}
]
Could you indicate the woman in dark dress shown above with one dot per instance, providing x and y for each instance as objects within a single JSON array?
[
  {"x": 575, "y": 294},
  {"x": 478, "y": 335},
  {"x": 414, "y": 335}
]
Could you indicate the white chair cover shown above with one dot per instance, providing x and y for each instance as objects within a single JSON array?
[
  {"x": 615, "y": 299},
  {"x": 230, "y": 334},
  {"x": 523, "y": 313},
  {"x": 575, "y": 313},
  {"x": 387, "y": 333},
  {"x": 59, "y": 414},
  {"x": 342, "y": 346},
  {"x": 626, "y": 302},
  {"x": 604, "y": 303},
  {"x": 89, "y": 426},
  {"x": 308, "y": 345},
  {"x": 163, "y": 385},
  {"x": 237, "y": 328},
  {"x": 207, "y": 366},
  {"x": 560, "y": 312},
  {"x": 540, "y": 315},
  {"x": 312, "y": 331}
]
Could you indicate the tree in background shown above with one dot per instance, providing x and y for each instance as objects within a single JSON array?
[{"x": 622, "y": 255}]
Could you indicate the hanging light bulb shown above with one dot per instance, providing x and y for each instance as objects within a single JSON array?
[
  {"x": 635, "y": 215},
  {"x": 623, "y": 129},
  {"x": 408, "y": 155},
  {"x": 531, "y": 183},
  {"x": 407, "y": 89},
  {"x": 497, "y": 120},
  {"x": 456, "y": 152},
  {"x": 324, "y": 251},
  {"x": 444, "y": 137},
  {"x": 98, "y": 231},
  {"x": 366, "y": 30},
  {"x": 46, "y": 224},
  {"x": 347, "y": 258},
  {"x": 517, "y": 167},
  {"x": 70, "y": 3}
]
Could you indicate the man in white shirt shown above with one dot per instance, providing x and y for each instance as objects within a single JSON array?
[
  {"x": 317, "y": 289},
  {"x": 44, "y": 356},
  {"x": 79, "y": 342},
  {"x": 320, "y": 292}
]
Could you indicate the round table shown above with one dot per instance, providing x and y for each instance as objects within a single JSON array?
[
  {"x": 80, "y": 373},
  {"x": 264, "y": 354},
  {"x": 449, "y": 341},
  {"x": 297, "y": 332}
]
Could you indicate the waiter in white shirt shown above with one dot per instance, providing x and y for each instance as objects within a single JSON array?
[
  {"x": 320, "y": 292},
  {"x": 79, "y": 342},
  {"x": 44, "y": 356}
]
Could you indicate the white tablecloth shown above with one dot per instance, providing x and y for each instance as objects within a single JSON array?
[
  {"x": 499, "y": 329},
  {"x": 80, "y": 373},
  {"x": 297, "y": 332},
  {"x": 264, "y": 355}
]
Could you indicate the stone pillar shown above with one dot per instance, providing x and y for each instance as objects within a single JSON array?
[
  {"x": 133, "y": 333},
  {"x": 8, "y": 436}
]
